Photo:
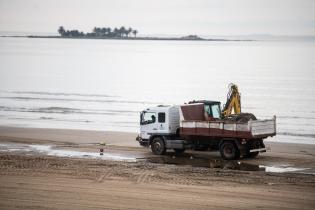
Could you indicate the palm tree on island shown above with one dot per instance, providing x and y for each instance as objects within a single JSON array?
[
  {"x": 61, "y": 30},
  {"x": 135, "y": 33},
  {"x": 129, "y": 31},
  {"x": 122, "y": 31}
]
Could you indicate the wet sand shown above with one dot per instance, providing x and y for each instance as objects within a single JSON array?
[
  {"x": 71, "y": 136},
  {"x": 38, "y": 181}
]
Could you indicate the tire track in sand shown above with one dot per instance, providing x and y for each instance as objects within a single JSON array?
[
  {"x": 103, "y": 176},
  {"x": 144, "y": 176}
]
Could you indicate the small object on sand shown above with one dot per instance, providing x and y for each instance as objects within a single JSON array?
[
  {"x": 102, "y": 144},
  {"x": 173, "y": 156},
  {"x": 191, "y": 157}
]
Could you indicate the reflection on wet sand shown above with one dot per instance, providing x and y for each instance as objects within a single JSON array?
[{"x": 199, "y": 161}]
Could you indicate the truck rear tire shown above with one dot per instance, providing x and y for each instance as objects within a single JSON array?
[
  {"x": 229, "y": 150},
  {"x": 158, "y": 146}
]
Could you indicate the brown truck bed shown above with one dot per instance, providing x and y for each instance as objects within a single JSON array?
[{"x": 220, "y": 128}]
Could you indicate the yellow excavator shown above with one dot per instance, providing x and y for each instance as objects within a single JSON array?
[
  {"x": 232, "y": 108},
  {"x": 233, "y": 102}
]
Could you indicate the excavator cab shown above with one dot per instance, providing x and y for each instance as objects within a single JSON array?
[{"x": 212, "y": 108}]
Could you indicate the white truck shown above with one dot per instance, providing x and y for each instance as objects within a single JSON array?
[
  {"x": 183, "y": 127},
  {"x": 201, "y": 125}
]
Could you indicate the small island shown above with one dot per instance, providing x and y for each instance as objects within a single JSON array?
[
  {"x": 116, "y": 33},
  {"x": 121, "y": 33}
]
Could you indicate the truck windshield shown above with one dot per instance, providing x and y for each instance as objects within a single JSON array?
[
  {"x": 215, "y": 109},
  {"x": 147, "y": 118}
]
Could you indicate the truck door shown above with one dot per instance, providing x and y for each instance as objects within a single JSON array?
[
  {"x": 148, "y": 124},
  {"x": 161, "y": 121}
]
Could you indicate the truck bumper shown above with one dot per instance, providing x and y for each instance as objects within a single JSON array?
[
  {"x": 259, "y": 150},
  {"x": 142, "y": 142}
]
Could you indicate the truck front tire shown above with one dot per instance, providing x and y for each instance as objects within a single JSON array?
[
  {"x": 229, "y": 150},
  {"x": 158, "y": 146}
]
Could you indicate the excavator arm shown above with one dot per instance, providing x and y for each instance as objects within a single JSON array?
[{"x": 233, "y": 102}]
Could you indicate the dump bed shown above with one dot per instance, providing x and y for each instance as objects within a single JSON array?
[
  {"x": 196, "y": 125},
  {"x": 262, "y": 127},
  {"x": 219, "y": 128}
]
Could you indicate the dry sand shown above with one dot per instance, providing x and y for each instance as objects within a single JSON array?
[{"x": 45, "y": 182}]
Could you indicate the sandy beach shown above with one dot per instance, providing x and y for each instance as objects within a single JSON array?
[
  {"x": 81, "y": 80},
  {"x": 37, "y": 181}
]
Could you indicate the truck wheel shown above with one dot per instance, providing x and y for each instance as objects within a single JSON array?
[
  {"x": 229, "y": 151},
  {"x": 158, "y": 146},
  {"x": 179, "y": 151}
]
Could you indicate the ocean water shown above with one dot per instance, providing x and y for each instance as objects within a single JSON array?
[{"x": 104, "y": 84}]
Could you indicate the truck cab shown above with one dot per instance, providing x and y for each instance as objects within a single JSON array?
[{"x": 160, "y": 120}]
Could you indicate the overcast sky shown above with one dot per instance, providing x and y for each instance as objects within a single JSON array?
[{"x": 170, "y": 17}]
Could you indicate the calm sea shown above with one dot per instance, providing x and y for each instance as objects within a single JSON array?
[{"x": 104, "y": 84}]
